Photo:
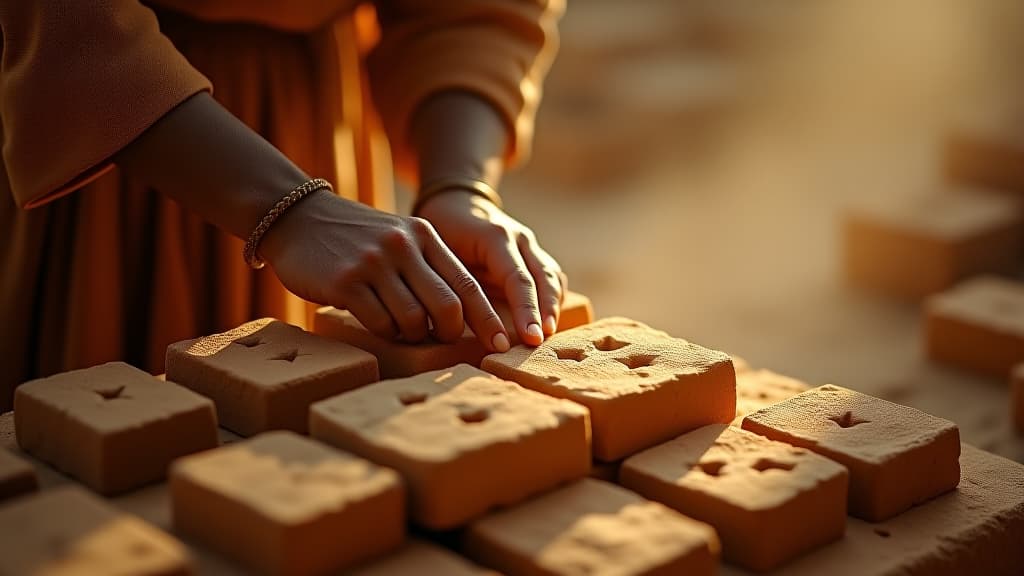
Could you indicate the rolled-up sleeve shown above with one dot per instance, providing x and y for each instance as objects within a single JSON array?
[
  {"x": 79, "y": 80},
  {"x": 499, "y": 50}
]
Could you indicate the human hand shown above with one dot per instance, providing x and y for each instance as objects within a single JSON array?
[
  {"x": 391, "y": 272},
  {"x": 505, "y": 254}
]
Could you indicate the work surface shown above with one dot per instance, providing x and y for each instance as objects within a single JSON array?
[{"x": 977, "y": 527}]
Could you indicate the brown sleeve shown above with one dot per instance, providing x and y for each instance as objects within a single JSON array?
[
  {"x": 78, "y": 81},
  {"x": 499, "y": 50}
]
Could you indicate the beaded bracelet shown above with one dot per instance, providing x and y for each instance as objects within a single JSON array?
[
  {"x": 307, "y": 188},
  {"x": 472, "y": 185}
]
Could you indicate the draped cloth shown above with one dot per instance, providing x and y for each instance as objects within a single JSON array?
[{"x": 96, "y": 267}]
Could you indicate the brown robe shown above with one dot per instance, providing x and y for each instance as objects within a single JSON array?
[{"x": 94, "y": 267}]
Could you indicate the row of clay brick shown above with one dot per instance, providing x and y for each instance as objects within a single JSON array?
[{"x": 978, "y": 325}]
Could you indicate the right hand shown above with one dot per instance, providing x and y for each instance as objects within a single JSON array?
[{"x": 392, "y": 272}]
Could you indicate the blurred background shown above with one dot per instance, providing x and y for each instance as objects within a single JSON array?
[{"x": 693, "y": 159}]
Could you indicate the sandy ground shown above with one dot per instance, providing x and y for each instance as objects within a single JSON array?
[{"x": 692, "y": 161}]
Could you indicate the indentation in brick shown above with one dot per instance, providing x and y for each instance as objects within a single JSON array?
[
  {"x": 847, "y": 420},
  {"x": 764, "y": 464},
  {"x": 473, "y": 415},
  {"x": 609, "y": 343},
  {"x": 574, "y": 354},
  {"x": 288, "y": 355},
  {"x": 635, "y": 361},
  {"x": 110, "y": 393},
  {"x": 711, "y": 467},
  {"x": 409, "y": 398},
  {"x": 250, "y": 341}
]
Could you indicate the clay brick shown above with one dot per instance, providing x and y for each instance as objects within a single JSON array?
[
  {"x": 976, "y": 529},
  {"x": 463, "y": 440},
  {"x": 401, "y": 360},
  {"x": 280, "y": 503},
  {"x": 114, "y": 427},
  {"x": 418, "y": 557},
  {"x": 595, "y": 528},
  {"x": 264, "y": 374},
  {"x": 66, "y": 531},
  {"x": 1017, "y": 398},
  {"x": 986, "y": 154},
  {"x": 927, "y": 243},
  {"x": 17, "y": 476},
  {"x": 977, "y": 325},
  {"x": 642, "y": 386},
  {"x": 768, "y": 501},
  {"x": 897, "y": 456},
  {"x": 756, "y": 389}
]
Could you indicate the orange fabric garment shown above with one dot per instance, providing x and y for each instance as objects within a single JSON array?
[{"x": 117, "y": 271}]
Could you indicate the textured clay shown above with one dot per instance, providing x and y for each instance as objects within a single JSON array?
[
  {"x": 976, "y": 529},
  {"x": 928, "y": 243},
  {"x": 17, "y": 476},
  {"x": 264, "y": 374},
  {"x": 114, "y": 427},
  {"x": 642, "y": 386},
  {"x": 418, "y": 557},
  {"x": 1017, "y": 398},
  {"x": 401, "y": 360},
  {"x": 978, "y": 325},
  {"x": 742, "y": 484},
  {"x": 280, "y": 503},
  {"x": 897, "y": 456},
  {"x": 594, "y": 528},
  {"x": 756, "y": 389},
  {"x": 463, "y": 440},
  {"x": 67, "y": 531}
]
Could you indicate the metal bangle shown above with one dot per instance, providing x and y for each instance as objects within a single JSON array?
[{"x": 442, "y": 185}]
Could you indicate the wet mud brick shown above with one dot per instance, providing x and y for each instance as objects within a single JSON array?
[
  {"x": 642, "y": 386},
  {"x": 768, "y": 501},
  {"x": 976, "y": 529},
  {"x": 928, "y": 243},
  {"x": 463, "y": 440},
  {"x": 264, "y": 374},
  {"x": 280, "y": 503},
  {"x": 897, "y": 456},
  {"x": 112, "y": 426},
  {"x": 66, "y": 531},
  {"x": 418, "y": 557},
  {"x": 756, "y": 389},
  {"x": 977, "y": 325},
  {"x": 595, "y": 528},
  {"x": 401, "y": 360},
  {"x": 17, "y": 476},
  {"x": 1017, "y": 398}
]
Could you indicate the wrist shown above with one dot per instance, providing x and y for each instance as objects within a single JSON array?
[{"x": 464, "y": 186}]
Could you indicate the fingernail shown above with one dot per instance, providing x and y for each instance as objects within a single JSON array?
[
  {"x": 533, "y": 331},
  {"x": 500, "y": 342},
  {"x": 549, "y": 325}
]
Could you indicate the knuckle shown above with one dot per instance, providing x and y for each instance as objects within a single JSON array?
[
  {"x": 420, "y": 227},
  {"x": 397, "y": 241},
  {"x": 521, "y": 278},
  {"x": 414, "y": 316},
  {"x": 371, "y": 258},
  {"x": 465, "y": 284}
]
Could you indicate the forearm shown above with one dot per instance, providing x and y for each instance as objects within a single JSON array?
[
  {"x": 459, "y": 134},
  {"x": 212, "y": 164}
]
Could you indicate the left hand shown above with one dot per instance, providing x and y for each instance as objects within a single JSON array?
[{"x": 503, "y": 253}]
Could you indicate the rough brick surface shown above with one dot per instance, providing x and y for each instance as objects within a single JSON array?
[
  {"x": 264, "y": 374},
  {"x": 17, "y": 476},
  {"x": 68, "y": 532},
  {"x": 768, "y": 501},
  {"x": 978, "y": 325},
  {"x": 280, "y": 503},
  {"x": 114, "y": 427},
  {"x": 401, "y": 360},
  {"x": 897, "y": 456},
  {"x": 757, "y": 389},
  {"x": 928, "y": 243},
  {"x": 976, "y": 529},
  {"x": 463, "y": 440},
  {"x": 1017, "y": 398},
  {"x": 641, "y": 385},
  {"x": 418, "y": 557},
  {"x": 594, "y": 528}
]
